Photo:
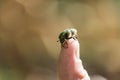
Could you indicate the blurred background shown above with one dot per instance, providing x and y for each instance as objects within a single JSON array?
[{"x": 29, "y": 32}]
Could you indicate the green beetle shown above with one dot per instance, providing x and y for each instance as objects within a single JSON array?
[{"x": 66, "y": 35}]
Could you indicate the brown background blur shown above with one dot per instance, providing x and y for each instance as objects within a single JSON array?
[{"x": 29, "y": 32}]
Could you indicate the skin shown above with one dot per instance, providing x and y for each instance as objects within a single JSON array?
[{"x": 69, "y": 65}]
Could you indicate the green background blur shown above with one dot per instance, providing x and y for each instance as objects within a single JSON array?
[{"x": 29, "y": 32}]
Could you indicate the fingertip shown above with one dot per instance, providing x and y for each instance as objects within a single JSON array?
[{"x": 73, "y": 43}]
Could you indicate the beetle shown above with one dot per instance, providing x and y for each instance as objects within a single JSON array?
[{"x": 66, "y": 35}]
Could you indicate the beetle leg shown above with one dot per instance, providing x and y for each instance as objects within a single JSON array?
[
  {"x": 74, "y": 38},
  {"x": 64, "y": 44}
]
